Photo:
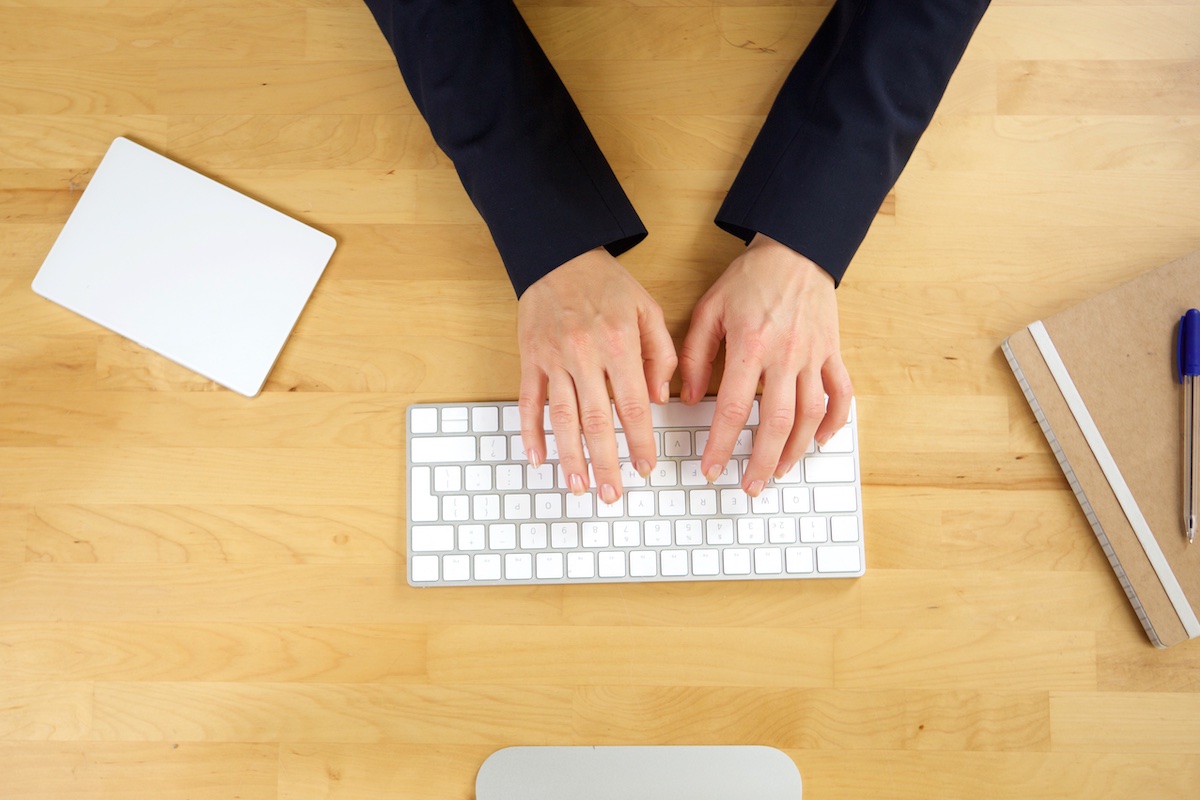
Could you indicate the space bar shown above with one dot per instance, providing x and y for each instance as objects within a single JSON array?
[
  {"x": 677, "y": 415},
  {"x": 442, "y": 449}
]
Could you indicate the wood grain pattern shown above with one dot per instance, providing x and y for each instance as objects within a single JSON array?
[{"x": 203, "y": 596}]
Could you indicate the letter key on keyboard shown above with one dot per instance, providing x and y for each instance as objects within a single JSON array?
[{"x": 479, "y": 514}]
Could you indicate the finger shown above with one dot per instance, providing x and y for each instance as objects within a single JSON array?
[
  {"x": 810, "y": 410},
  {"x": 633, "y": 408},
  {"x": 564, "y": 419},
  {"x": 776, "y": 419},
  {"x": 658, "y": 355},
  {"x": 836, "y": 379},
  {"x": 699, "y": 349},
  {"x": 735, "y": 399},
  {"x": 596, "y": 420},
  {"x": 531, "y": 402}
]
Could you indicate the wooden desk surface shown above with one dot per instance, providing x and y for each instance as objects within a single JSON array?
[{"x": 203, "y": 596}]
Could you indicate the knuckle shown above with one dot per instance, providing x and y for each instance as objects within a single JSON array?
[
  {"x": 596, "y": 422},
  {"x": 562, "y": 416},
  {"x": 811, "y": 409},
  {"x": 734, "y": 413},
  {"x": 631, "y": 412},
  {"x": 778, "y": 423}
]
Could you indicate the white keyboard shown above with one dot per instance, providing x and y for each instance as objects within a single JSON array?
[{"x": 479, "y": 513}]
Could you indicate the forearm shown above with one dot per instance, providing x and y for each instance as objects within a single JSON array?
[
  {"x": 497, "y": 108},
  {"x": 845, "y": 124}
]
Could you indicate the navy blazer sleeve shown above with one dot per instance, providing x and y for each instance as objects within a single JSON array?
[
  {"x": 846, "y": 122},
  {"x": 841, "y": 129},
  {"x": 497, "y": 108}
]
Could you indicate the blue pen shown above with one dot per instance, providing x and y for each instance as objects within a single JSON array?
[{"x": 1189, "y": 374}]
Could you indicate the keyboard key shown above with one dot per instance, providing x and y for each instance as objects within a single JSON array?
[
  {"x": 493, "y": 448},
  {"x": 751, "y": 530},
  {"x": 502, "y": 536},
  {"x": 643, "y": 563},
  {"x": 512, "y": 418},
  {"x": 829, "y": 469},
  {"x": 471, "y": 537},
  {"x": 674, "y": 563},
  {"x": 838, "y": 558},
  {"x": 509, "y": 477},
  {"x": 768, "y": 560},
  {"x": 579, "y": 506},
  {"x": 454, "y": 420},
  {"x": 549, "y": 566},
  {"x": 612, "y": 564},
  {"x": 736, "y": 561},
  {"x": 424, "y": 569},
  {"x": 834, "y": 499},
  {"x": 690, "y": 474},
  {"x": 517, "y": 506},
  {"x": 656, "y": 533},
  {"x": 799, "y": 560},
  {"x": 676, "y": 444},
  {"x": 581, "y": 565},
  {"x": 442, "y": 450},
  {"x": 548, "y": 506},
  {"x": 487, "y": 507},
  {"x": 688, "y": 532},
  {"x": 430, "y": 538},
  {"x": 734, "y": 502},
  {"x": 564, "y": 535},
  {"x": 641, "y": 504},
  {"x": 781, "y": 530},
  {"x": 518, "y": 566},
  {"x": 447, "y": 479},
  {"x": 533, "y": 536},
  {"x": 485, "y": 419},
  {"x": 767, "y": 501},
  {"x": 539, "y": 477},
  {"x": 456, "y": 507},
  {"x": 672, "y": 503},
  {"x": 423, "y": 420},
  {"x": 795, "y": 500},
  {"x": 840, "y": 442},
  {"x": 665, "y": 473},
  {"x": 702, "y": 502},
  {"x": 595, "y": 534},
  {"x": 706, "y": 562},
  {"x": 423, "y": 505},
  {"x": 813, "y": 530},
  {"x": 719, "y": 531},
  {"x": 627, "y": 534},
  {"x": 479, "y": 478},
  {"x": 843, "y": 529},
  {"x": 487, "y": 567},
  {"x": 456, "y": 567}
]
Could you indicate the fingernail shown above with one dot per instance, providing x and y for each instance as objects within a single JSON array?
[
  {"x": 713, "y": 473},
  {"x": 784, "y": 469},
  {"x": 755, "y": 489},
  {"x": 643, "y": 467},
  {"x": 685, "y": 393},
  {"x": 576, "y": 483},
  {"x": 824, "y": 440},
  {"x": 534, "y": 459},
  {"x": 664, "y": 393},
  {"x": 608, "y": 494}
]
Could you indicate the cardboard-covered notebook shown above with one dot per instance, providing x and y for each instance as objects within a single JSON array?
[{"x": 1100, "y": 378}]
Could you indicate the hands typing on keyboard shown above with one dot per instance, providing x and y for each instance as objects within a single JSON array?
[{"x": 479, "y": 512}]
